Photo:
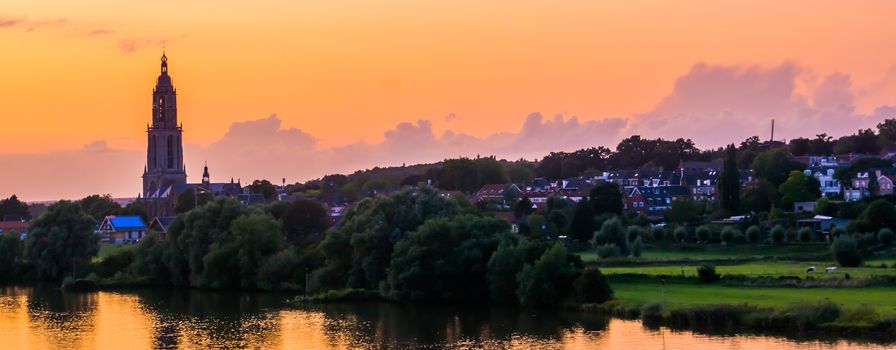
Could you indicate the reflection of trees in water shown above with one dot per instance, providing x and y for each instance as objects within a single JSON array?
[
  {"x": 212, "y": 318},
  {"x": 389, "y": 325},
  {"x": 64, "y": 317}
]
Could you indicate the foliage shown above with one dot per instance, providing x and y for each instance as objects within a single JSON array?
[
  {"x": 612, "y": 232},
  {"x": 264, "y": 188},
  {"x": 606, "y": 198},
  {"x": 12, "y": 206},
  {"x": 304, "y": 221},
  {"x": 98, "y": 207},
  {"x": 581, "y": 227},
  {"x": 658, "y": 233},
  {"x": 280, "y": 271},
  {"x": 885, "y": 236},
  {"x": 759, "y": 196},
  {"x": 637, "y": 247},
  {"x": 504, "y": 264},
  {"x": 234, "y": 259},
  {"x": 879, "y": 214},
  {"x": 805, "y": 234},
  {"x": 707, "y": 273},
  {"x": 536, "y": 226},
  {"x": 557, "y": 165},
  {"x": 729, "y": 234},
  {"x": 119, "y": 261},
  {"x": 633, "y": 232},
  {"x": 680, "y": 233},
  {"x": 11, "y": 255},
  {"x": 523, "y": 208},
  {"x": 60, "y": 240},
  {"x": 729, "y": 182},
  {"x": 845, "y": 250},
  {"x": 189, "y": 199},
  {"x": 797, "y": 188},
  {"x": 469, "y": 175},
  {"x": 703, "y": 233},
  {"x": 521, "y": 172},
  {"x": 777, "y": 234},
  {"x": 774, "y": 165},
  {"x": 684, "y": 211},
  {"x": 754, "y": 234},
  {"x": 592, "y": 286},
  {"x": 548, "y": 281},
  {"x": 608, "y": 250},
  {"x": 445, "y": 259}
]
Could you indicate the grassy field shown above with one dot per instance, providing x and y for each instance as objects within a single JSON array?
[
  {"x": 715, "y": 252},
  {"x": 880, "y": 299},
  {"x": 756, "y": 269}
]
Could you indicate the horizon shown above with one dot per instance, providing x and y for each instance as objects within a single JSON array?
[{"x": 334, "y": 89}]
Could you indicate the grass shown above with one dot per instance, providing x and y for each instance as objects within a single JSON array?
[
  {"x": 717, "y": 252},
  {"x": 757, "y": 269},
  {"x": 684, "y": 294},
  {"x": 109, "y": 249}
]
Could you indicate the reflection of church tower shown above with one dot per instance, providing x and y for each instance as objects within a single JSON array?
[{"x": 164, "y": 151}]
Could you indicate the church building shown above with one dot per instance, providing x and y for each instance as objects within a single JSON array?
[{"x": 164, "y": 175}]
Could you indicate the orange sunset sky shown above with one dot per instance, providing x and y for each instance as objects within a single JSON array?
[{"x": 299, "y": 89}]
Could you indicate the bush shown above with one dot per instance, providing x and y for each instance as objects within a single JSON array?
[
  {"x": 680, "y": 234},
  {"x": 115, "y": 263},
  {"x": 805, "y": 234},
  {"x": 703, "y": 234},
  {"x": 707, "y": 273},
  {"x": 754, "y": 234},
  {"x": 729, "y": 234},
  {"x": 777, "y": 234},
  {"x": 885, "y": 236},
  {"x": 845, "y": 250},
  {"x": 636, "y": 248},
  {"x": 837, "y": 232},
  {"x": 611, "y": 231},
  {"x": 592, "y": 286},
  {"x": 792, "y": 235},
  {"x": 608, "y": 251},
  {"x": 658, "y": 233},
  {"x": 632, "y": 233}
]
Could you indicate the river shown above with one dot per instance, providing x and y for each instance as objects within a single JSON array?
[{"x": 47, "y": 318}]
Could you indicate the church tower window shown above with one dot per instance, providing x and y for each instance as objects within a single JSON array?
[{"x": 170, "y": 149}]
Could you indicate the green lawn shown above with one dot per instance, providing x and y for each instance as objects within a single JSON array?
[
  {"x": 881, "y": 299},
  {"x": 716, "y": 252},
  {"x": 109, "y": 249},
  {"x": 759, "y": 268}
]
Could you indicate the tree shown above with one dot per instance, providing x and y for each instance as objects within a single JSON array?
[
  {"x": 264, "y": 188},
  {"x": 592, "y": 286},
  {"x": 683, "y": 210},
  {"x": 536, "y": 225},
  {"x": 549, "y": 280},
  {"x": 505, "y": 263},
  {"x": 800, "y": 146},
  {"x": 303, "y": 220},
  {"x": 777, "y": 234},
  {"x": 886, "y": 131},
  {"x": 759, "y": 196},
  {"x": 98, "y": 207},
  {"x": 606, "y": 198},
  {"x": 612, "y": 232},
  {"x": 189, "y": 199},
  {"x": 845, "y": 250},
  {"x": 775, "y": 165},
  {"x": 521, "y": 172},
  {"x": 236, "y": 257},
  {"x": 797, "y": 188},
  {"x": 707, "y": 273},
  {"x": 805, "y": 234},
  {"x": 879, "y": 214},
  {"x": 754, "y": 234},
  {"x": 703, "y": 233},
  {"x": 729, "y": 182},
  {"x": 445, "y": 260},
  {"x": 12, "y": 206},
  {"x": 885, "y": 236},
  {"x": 60, "y": 240},
  {"x": 523, "y": 208},
  {"x": 581, "y": 227},
  {"x": 864, "y": 141},
  {"x": 10, "y": 256}
]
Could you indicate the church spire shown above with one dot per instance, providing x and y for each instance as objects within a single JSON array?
[
  {"x": 205, "y": 178},
  {"x": 164, "y": 63}
]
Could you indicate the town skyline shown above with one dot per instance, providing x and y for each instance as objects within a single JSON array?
[{"x": 302, "y": 106}]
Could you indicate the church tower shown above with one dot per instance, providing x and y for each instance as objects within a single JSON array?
[{"x": 164, "y": 150}]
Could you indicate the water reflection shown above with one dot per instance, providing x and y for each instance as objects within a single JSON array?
[{"x": 42, "y": 317}]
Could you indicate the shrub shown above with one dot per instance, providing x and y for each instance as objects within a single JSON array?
[
  {"x": 885, "y": 236},
  {"x": 754, "y": 234},
  {"x": 777, "y": 234},
  {"x": 846, "y": 251},
  {"x": 114, "y": 263},
  {"x": 805, "y": 234},
  {"x": 703, "y": 234},
  {"x": 609, "y": 250},
  {"x": 632, "y": 233},
  {"x": 707, "y": 273},
  {"x": 792, "y": 235},
  {"x": 592, "y": 286},
  {"x": 611, "y": 231},
  {"x": 837, "y": 232},
  {"x": 636, "y": 248},
  {"x": 729, "y": 234},
  {"x": 658, "y": 233},
  {"x": 680, "y": 233}
]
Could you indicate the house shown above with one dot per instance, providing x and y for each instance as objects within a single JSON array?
[
  {"x": 829, "y": 186},
  {"x": 160, "y": 225},
  {"x": 821, "y": 224},
  {"x": 804, "y": 206},
  {"x": 655, "y": 200},
  {"x": 122, "y": 229},
  {"x": 498, "y": 192},
  {"x": 885, "y": 184},
  {"x": 336, "y": 213},
  {"x": 696, "y": 166},
  {"x": 20, "y": 227}
]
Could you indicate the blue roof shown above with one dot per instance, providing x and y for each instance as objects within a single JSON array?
[{"x": 126, "y": 222}]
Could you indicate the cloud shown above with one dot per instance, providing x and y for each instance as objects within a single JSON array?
[
  {"x": 9, "y": 22},
  {"x": 130, "y": 45},
  {"x": 450, "y": 117},
  {"x": 714, "y": 105}
]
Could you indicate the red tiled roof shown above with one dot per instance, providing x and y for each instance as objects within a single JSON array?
[{"x": 13, "y": 225}]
